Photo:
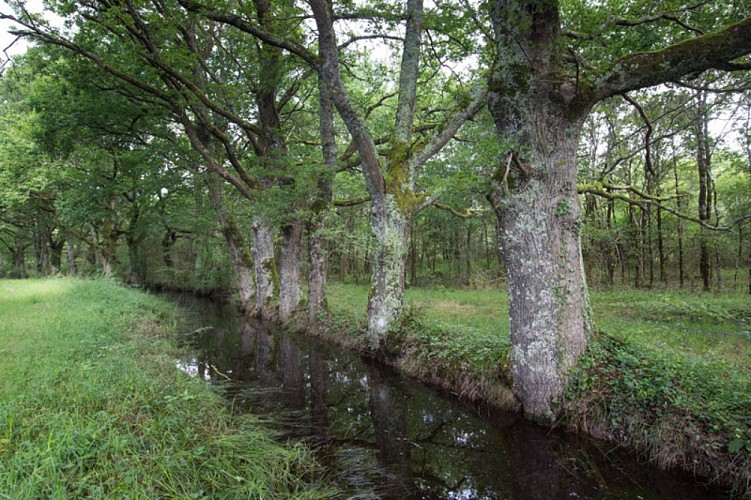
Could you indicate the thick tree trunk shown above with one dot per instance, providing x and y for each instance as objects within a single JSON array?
[
  {"x": 135, "y": 275},
  {"x": 56, "y": 254},
  {"x": 390, "y": 228},
  {"x": 168, "y": 243},
  {"x": 539, "y": 114},
  {"x": 134, "y": 239},
  {"x": 107, "y": 264},
  {"x": 548, "y": 300},
  {"x": 317, "y": 260},
  {"x": 240, "y": 257},
  {"x": 290, "y": 292},
  {"x": 317, "y": 269},
  {"x": 19, "y": 261},
  {"x": 265, "y": 268}
]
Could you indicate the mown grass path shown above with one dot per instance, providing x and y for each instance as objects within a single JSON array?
[{"x": 91, "y": 405}]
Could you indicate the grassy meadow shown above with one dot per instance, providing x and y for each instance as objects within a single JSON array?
[
  {"x": 669, "y": 373},
  {"x": 91, "y": 405}
]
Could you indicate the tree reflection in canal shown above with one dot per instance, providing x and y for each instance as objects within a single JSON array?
[{"x": 381, "y": 435}]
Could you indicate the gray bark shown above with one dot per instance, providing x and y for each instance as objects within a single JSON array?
[
  {"x": 265, "y": 268},
  {"x": 394, "y": 202},
  {"x": 317, "y": 272},
  {"x": 240, "y": 257},
  {"x": 390, "y": 229},
  {"x": 317, "y": 244},
  {"x": 409, "y": 70},
  {"x": 548, "y": 300},
  {"x": 536, "y": 201},
  {"x": 290, "y": 292},
  {"x": 538, "y": 104}
]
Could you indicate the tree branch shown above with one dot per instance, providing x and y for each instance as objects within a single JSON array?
[
  {"x": 247, "y": 27},
  {"x": 647, "y": 135},
  {"x": 352, "y": 201},
  {"x": 652, "y": 19},
  {"x": 656, "y": 202},
  {"x": 408, "y": 74},
  {"x": 645, "y": 69},
  {"x": 468, "y": 212},
  {"x": 478, "y": 95}
]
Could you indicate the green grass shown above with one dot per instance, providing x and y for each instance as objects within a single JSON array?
[
  {"x": 670, "y": 374},
  {"x": 711, "y": 328},
  {"x": 91, "y": 404}
]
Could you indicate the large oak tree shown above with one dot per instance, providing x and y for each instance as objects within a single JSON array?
[{"x": 540, "y": 95}]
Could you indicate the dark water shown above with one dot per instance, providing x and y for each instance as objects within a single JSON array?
[{"x": 381, "y": 435}]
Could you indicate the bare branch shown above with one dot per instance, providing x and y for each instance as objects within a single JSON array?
[
  {"x": 656, "y": 202},
  {"x": 647, "y": 135},
  {"x": 651, "y": 19},
  {"x": 247, "y": 27},
  {"x": 355, "y": 39}
]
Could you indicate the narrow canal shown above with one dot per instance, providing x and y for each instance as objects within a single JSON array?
[{"x": 382, "y": 435}]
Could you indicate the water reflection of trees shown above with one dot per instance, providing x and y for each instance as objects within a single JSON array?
[
  {"x": 400, "y": 439},
  {"x": 385, "y": 436},
  {"x": 390, "y": 424}
]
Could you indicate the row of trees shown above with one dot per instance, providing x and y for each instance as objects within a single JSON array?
[{"x": 180, "y": 127}]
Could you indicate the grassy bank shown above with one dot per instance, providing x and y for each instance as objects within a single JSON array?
[
  {"x": 91, "y": 405},
  {"x": 669, "y": 375}
]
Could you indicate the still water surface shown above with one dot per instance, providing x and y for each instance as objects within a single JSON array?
[{"x": 382, "y": 435}]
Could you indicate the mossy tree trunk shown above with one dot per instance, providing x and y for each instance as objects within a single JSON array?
[
  {"x": 390, "y": 227},
  {"x": 391, "y": 182},
  {"x": 239, "y": 254},
  {"x": 317, "y": 257},
  {"x": 538, "y": 103},
  {"x": 265, "y": 267},
  {"x": 290, "y": 292}
]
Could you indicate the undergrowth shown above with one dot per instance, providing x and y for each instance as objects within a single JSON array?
[
  {"x": 691, "y": 415},
  {"x": 91, "y": 405}
]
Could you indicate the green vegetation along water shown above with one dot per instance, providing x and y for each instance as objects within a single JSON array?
[
  {"x": 669, "y": 375},
  {"x": 383, "y": 435},
  {"x": 91, "y": 405}
]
